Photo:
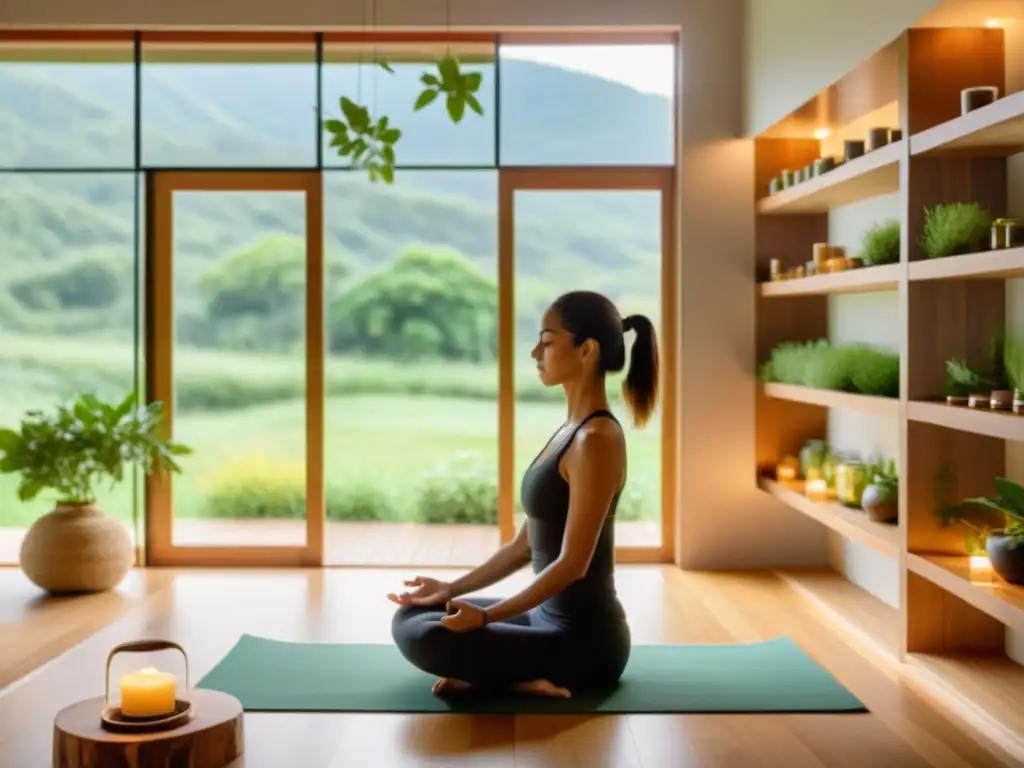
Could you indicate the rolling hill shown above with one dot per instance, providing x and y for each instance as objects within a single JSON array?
[{"x": 80, "y": 116}]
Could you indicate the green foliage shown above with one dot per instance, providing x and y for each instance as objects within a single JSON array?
[
  {"x": 1013, "y": 362},
  {"x": 821, "y": 365},
  {"x": 426, "y": 304},
  {"x": 261, "y": 487},
  {"x": 459, "y": 491},
  {"x": 370, "y": 144},
  {"x": 952, "y": 229},
  {"x": 881, "y": 244},
  {"x": 91, "y": 282},
  {"x": 883, "y": 476},
  {"x": 1002, "y": 513},
  {"x": 961, "y": 381},
  {"x": 459, "y": 89},
  {"x": 256, "y": 297},
  {"x": 71, "y": 449},
  {"x": 1003, "y": 366}
]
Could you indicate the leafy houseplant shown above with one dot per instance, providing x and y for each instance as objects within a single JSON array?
[
  {"x": 881, "y": 244},
  {"x": 1003, "y": 544},
  {"x": 69, "y": 452},
  {"x": 881, "y": 496},
  {"x": 953, "y": 229},
  {"x": 369, "y": 142}
]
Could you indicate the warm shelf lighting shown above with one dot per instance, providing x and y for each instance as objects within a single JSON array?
[
  {"x": 993, "y": 23},
  {"x": 981, "y": 569},
  {"x": 822, "y": 133},
  {"x": 816, "y": 490}
]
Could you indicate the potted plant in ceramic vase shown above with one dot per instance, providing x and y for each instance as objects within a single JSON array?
[
  {"x": 1005, "y": 544},
  {"x": 881, "y": 496},
  {"x": 69, "y": 452}
]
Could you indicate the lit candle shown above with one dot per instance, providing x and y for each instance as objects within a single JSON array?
[
  {"x": 817, "y": 490},
  {"x": 147, "y": 693},
  {"x": 981, "y": 569}
]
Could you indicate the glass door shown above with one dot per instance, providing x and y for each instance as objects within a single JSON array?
[
  {"x": 235, "y": 350},
  {"x": 639, "y": 274}
]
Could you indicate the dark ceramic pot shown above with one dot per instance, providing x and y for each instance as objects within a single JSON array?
[
  {"x": 881, "y": 506},
  {"x": 1007, "y": 560},
  {"x": 852, "y": 148}
]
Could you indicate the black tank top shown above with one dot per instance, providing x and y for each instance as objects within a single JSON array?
[{"x": 545, "y": 498}]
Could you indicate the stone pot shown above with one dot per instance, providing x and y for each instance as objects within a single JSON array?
[
  {"x": 77, "y": 548},
  {"x": 881, "y": 505},
  {"x": 1007, "y": 561}
]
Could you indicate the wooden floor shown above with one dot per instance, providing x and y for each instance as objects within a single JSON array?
[
  {"x": 379, "y": 544},
  {"x": 207, "y": 610}
]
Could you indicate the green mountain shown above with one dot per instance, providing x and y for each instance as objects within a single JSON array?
[{"x": 66, "y": 115}]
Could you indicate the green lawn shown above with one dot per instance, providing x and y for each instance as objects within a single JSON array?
[{"x": 381, "y": 444}]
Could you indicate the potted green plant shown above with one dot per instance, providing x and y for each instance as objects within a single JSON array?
[
  {"x": 881, "y": 244},
  {"x": 881, "y": 496},
  {"x": 1002, "y": 544},
  {"x": 69, "y": 452},
  {"x": 952, "y": 229}
]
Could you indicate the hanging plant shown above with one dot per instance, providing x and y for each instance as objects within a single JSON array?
[{"x": 369, "y": 143}]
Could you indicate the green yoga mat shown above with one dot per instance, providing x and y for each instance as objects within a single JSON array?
[{"x": 773, "y": 676}]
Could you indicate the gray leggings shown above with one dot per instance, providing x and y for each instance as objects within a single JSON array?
[{"x": 522, "y": 649}]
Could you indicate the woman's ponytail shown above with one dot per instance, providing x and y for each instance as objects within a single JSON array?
[{"x": 640, "y": 388}]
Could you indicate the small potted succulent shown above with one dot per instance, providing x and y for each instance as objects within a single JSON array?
[
  {"x": 1004, "y": 544},
  {"x": 881, "y": 496}
]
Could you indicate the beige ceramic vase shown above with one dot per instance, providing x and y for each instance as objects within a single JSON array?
[{"x": 77, "y": 548}]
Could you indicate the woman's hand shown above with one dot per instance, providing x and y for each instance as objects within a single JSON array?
[
  {"x": 463, "y": 616},
  {"x": 427, "y": 592}
]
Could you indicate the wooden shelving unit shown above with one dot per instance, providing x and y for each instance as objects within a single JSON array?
[
  {"x": 851, "y": 523},
  {"x": 984, "y": 590},
  {"x": 988, "y": 265},
  {"x": 948, "y": 636},
  {"x": 995, "y": 130},
  {"x": 873, "y": 174},
  {"x": 864, "y": 619},
  {"x": 1001, "y": 425},
  {"x": 865, "y": 280},
  {"x": 828, "y": 398}
]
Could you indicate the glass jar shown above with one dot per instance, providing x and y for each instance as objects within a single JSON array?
[
  {"x": 1018, "y": 401},
  {"x": 1013, "y": 236},
  {"x": 851, "y": 480},
  {"x": 811, "y": 457}
]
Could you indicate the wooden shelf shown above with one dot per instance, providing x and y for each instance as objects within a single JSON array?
[
  {"x": 993, "y": 131},
  {"x": 828, "y": 398},
  {"x": 866, "y": 620},
  {"x": 1005, "y": 426},
  {"x": 983, "y": 691},
  {"x": 863, "y": 280},
  {"x": 1003, "y": 602},
  {"x": 987, "y": 265},
  {"x": 851, "y": 523},
  {"x": 876, "y": 173}
]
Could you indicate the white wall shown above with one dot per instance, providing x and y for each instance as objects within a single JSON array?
[
  {"x": 796, "y": 48},
  {"x": 871, "y": 318}
]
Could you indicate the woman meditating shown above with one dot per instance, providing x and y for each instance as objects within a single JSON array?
[{"x": 567, "y": 631}]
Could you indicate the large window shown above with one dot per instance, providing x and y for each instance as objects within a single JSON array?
[
  {"x": 412, "y": 381},
  {"x": 209, "y": 104},
  {"x": 414, "y": 279},
  {"x": 67, "y": 312}
]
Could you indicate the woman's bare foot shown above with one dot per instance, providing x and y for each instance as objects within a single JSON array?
[
  {"x": 450, "y": 685},
  {"x": 543, "y": 688}
]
